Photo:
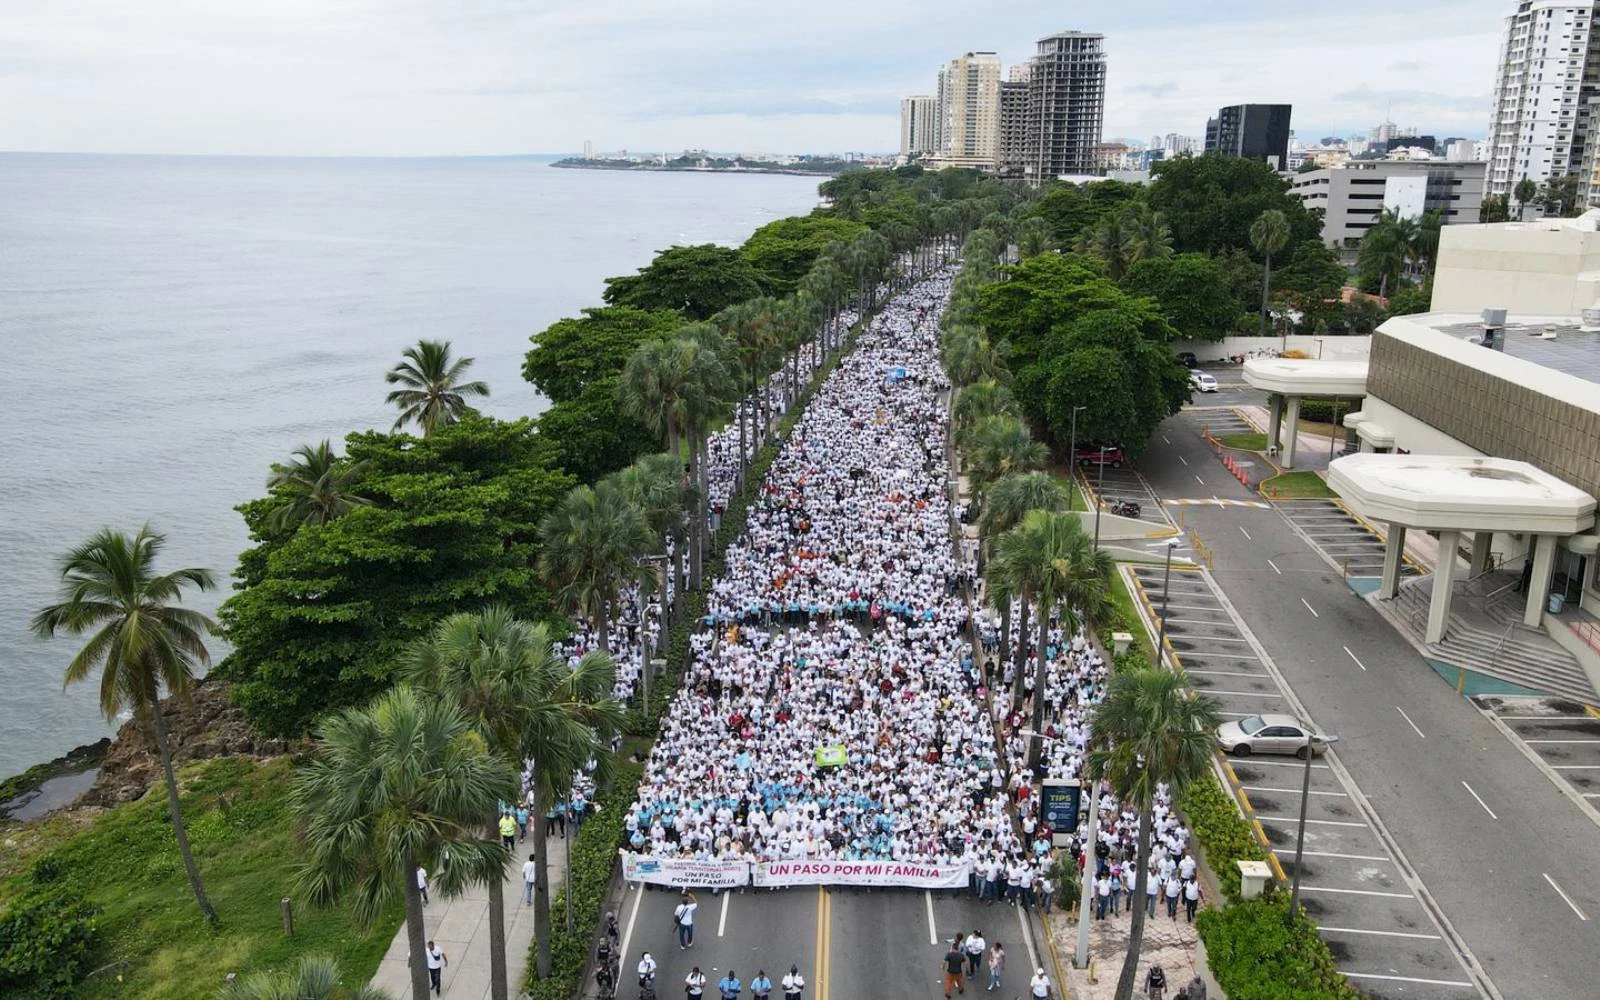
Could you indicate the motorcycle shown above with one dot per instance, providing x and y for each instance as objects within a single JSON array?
[{"x": 1126, "y": 508}]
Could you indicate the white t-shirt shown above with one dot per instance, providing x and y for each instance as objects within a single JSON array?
[
  {"x": 1040, "y": 985},
  {"x": 685, "y": 913},
  {"x": 528, "y": 871},
  {"x": 647, "y": 965},
  {"x": 794, "y": 982},
  {"x": 422, "y": 877},
  {"x": 435, "y": 957}
]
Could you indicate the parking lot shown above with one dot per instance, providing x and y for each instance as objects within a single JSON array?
[
  {"x": 1381, "y": 935},
  {"x": 1125, "y": 483},
  {"x": 1221, "y": 420},
  {"x": 1562, "y": 736},
  {"x": 1344, "y": 539}
]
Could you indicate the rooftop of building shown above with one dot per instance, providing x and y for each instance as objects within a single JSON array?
[{"x": 1559, "y": 343}]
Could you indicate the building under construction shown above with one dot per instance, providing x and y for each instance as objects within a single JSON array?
[{"x": 1066, "y": 105}]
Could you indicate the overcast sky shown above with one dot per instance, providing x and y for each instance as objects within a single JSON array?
[{"x": 418, "y": 77}]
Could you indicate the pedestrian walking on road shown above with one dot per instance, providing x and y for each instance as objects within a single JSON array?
[
  {"x": 437, "y": 960},
  {"x": 997, "y": 965},
  {"x": 694, "y": 984},
  {"x": 1191, "y": 899},
  {"x": 529, "y": 872},
  {"x": 1174, "y": 891},
  {"x": 954, "y": 964},
  {"x": 508, "y": 831},
  {"x": 1197, "y": 989},
  {"x": 1155, "y": 982},
  {"x": 730, "y": 986},
  {"x": 761, "y": 986},
  {"x": 1152, "y": 892},
  {"x": 1039, "y": 985},
  {"x": 422, "y": 883},
  {"x": 683, "y": 917},
  {"x": 793, "y": 983},
  {"x": 974, "y": 946}
]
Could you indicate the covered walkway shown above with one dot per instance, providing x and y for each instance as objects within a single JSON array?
[{"x": 1289, "y": 380}]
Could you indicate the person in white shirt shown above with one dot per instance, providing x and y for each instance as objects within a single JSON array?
[
  {"x": 529, "y": 871},
  {"x": 647, "y": 970},
  {"x": 683, "y": 915},
  {"x": 793, "y": 983},
  {"x": 694, "y": 984},
  {"x": 1039, "y": 985},
  {"x": 1186, "y": 867},
  {"x": 437, "y": 960},
  {"x": 422, "y": 883},
  {"x": 974, "y": 946}
]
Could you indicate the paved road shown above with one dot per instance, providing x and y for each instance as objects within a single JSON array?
[
  {"x": 1513, "y": 865},
  {"x": 849, "y": 944}
]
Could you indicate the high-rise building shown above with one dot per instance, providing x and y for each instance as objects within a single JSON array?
[
  {"x": 588, "y": 149},
  {"x": 919, "y": 130},
  {"x": 969, "y": 111},
  {"x": 1254, "y": 131},
  {"x": 1549, "y": 73},
  {"x": 1013, "y": 125},
  {"x": 1066, "y": 105}
]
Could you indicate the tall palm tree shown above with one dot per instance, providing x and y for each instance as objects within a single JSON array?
[
  {"x": 973, "y": 358},
  {"x": 1387, "y": 246},
  {"x": 974, "y": 402},
  {"x": 391, "y": 787},
  {"x": 499, "y": 670},
  {"x": 700, "y": 354},
  {"x": 141, "y": 641},
  {"x": 1149, "y": 236},
  {"x": 589, "y": 550},
  {"x": 1015, "y": 570},
  {"x": 1009, "y": 501},
  {"x": 751, "y": 328},
  {"x": 1525, "y": 191},
  {"x": 1269, "y": 234},
  {"x": 653, "y": 391},
  {"x": 997, "y": 447},
  {"x": 1112, "y": 241},
  {"x": 316, "y": 486},
  {"x": 314, "y": 977},
  {"x": 433, "y": 393},
  {"x": 1148, "y": 731},
  {"x": 655, "y": 484},
  {"x": 1034, "y": 237}
]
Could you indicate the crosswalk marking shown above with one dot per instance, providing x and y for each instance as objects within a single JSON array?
[{"x": 1216, "y": 502}]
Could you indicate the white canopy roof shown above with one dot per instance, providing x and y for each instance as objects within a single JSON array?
[
  {"x": 1458, "y": 492},
  {"x": 1305, "y": 377}
]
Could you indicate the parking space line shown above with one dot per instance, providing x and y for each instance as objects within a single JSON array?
[
  {"x": 1318, "y": 822},
  {"x": 1212, "y": 638},
  {"x": 1566, "y": 898},
  {"x": 1333, "y": 854},
  {"x": 1310, "y": 608},
  {"x": 1481, "y": 802},
  {"x": 1291, "y": 791},
  {"x": 1185, "y": 461},
  {"x": 1407, "y": 979},
  {"x": 1561, "y": 741},
  {"x": 1275, "y": 568},
  {"x": 1575, "y": 767},
  {"x": 1544, "y": 718},
  {"x": 1245, "y": 533},
  {"x": 1406, "y": 717},
  {"x": 1356, "y": 892},
  {"x": 1398, "y": 934},
  {"x": 1243, "y": 694},
  {"x": 1352, "y": 656},
  {"x": 1222, "y": 673},
  {"x": 1197, "y": 479},
  {"x": 1284, "y": 763}
]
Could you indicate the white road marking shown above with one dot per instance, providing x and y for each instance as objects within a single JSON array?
[
  {"x": 1253, "y": 761},
  {"x": 1221, "y": 673},
  {"x": 1482, "y": 803},
  {"x": 1168, "y": 441},
  {"x": 1291, "y": 791},
  {"x": 1566, "y": 898},
  {"x": 1310, "y": 822},
  {"x": 1406, "y": 717},
  {"x": 933, "y": 932},
  {"x": 1575, "y": 767},
  {"x": 1197, "y": 479},
  {"x": 1185, "y": 461},
  {"x": 1543, "y": 718},
  {"x": 1352, "y": 656},
  {"x": 722, "y": 921},
  {"x": 627, "y": 932},
  {"x": 1357, "y": 892},
  {"x": 1408, "y": 979},
  {"x": 1332, "y": 854},
  {"x": 1027, "y": 936},
  {"x": 1213, "y": 638},
  {"x": 1561, "y": 741},
  {"x": 1244, "y": 694},
  {"x": 1275, "y": 568},
  {"x": 1310, "y": 608},
  {"x": 1245, "y": 533},
  {"x": 1357, "y": 930}
]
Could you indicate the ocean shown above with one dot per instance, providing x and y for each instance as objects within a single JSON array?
[{"x": 173, "y": 325}]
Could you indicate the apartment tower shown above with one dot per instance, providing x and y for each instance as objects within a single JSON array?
[
  {"x": 919, "y": 129},
  {"x": 969, "y": 111},
  {"x": 1066, "y": 105},
  {"x": 1549, "y": 73}
]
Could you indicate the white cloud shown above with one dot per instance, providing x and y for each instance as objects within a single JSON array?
[{"x": 501, "y": 76}]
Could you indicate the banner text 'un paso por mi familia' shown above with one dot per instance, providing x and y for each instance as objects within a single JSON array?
[{"x": 904, "y": 874}]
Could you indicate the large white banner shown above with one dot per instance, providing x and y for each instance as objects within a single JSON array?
[
  {"x": 685, "y": 872},
  {"x": 905, "y": 874}
]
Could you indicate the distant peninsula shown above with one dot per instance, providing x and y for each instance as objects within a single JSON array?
[{"x": 808, "y": 166}]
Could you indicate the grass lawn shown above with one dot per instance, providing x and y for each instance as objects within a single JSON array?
[
  {"x": 1297, "y": 486},
  {"x": 1244, "y": 442},
  {"x": 1129, "y": 606},
  {"x": 155, "y": 943}
]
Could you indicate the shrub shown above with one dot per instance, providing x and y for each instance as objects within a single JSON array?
[
  {"x": 1321, "y": 410},
  {"x": 1221, "y": 830},
  {"x": 47, "y": 936},
  {"x": 1257, "y": 955}
]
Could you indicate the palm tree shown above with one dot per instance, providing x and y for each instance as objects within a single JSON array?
[
  {"x": 142, "y": 642},
  {"x": 1269, "y": 234},
  {"x": 1387, "y": 246},
  {"x": 391, "y": 787},
  {"x": 1009, "y": 501},
  {"x": 316, "y": 487},
  {"x": 750, "y": 327},
  {"x": 997, "y": 447},
  {"x": 1148, "y": 731},
  {"x": 589, "y": 550},
  {"x": 1112, "y": 242},
  {"x": 1034, "y": 237},
  {"x": 655, "y": 485},
  {"x": 1149, "y": 236},
  {"x": 314, "y": 977},
  {"x": 499, "y": 670},
  {"x": 434, "y": 394},
  {"x": 709, "y": 389},
  {"x": 973, "y": 358},
  {"x": 653, "y": 391},
  {"x": 974, "y": 402}
]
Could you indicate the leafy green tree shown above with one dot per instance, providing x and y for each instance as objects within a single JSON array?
[
  {"x": 313, "y": 977},
  {"x": 1561, "y": 196},
  {"x": 1073, "y": 209},
  {"x": 588, "y": 437},
  {"x": 657, "y": 486},
  {"x": 498, "y": 669},
  {"x": 998, "y": 447},
  {"x": 391, "y": 787},
  {"x": 315, "y": 487},
  {"x": 1314, "y": 269},
  {"x": 1410, "y": 299},
  {"x": 971, "y": 357},
  {"x": 140, "y": 640},
  {"x": 573, "y": 354},
  {"x": 1269, "y": 234},
  {"x": 1525, "y": 191},
  {"x": 1385, "y": 249},
  {"x": 1494, "y": 208},
  {"x": 1149, "y": 731},
  {"x": 590, "y": 547},
  {"x": 1191, "y": 290},
  {"x": 978, "y": 400},
  {"x": 782, "y": 251},
  {"x": 434, "y": 394},
  {"x": 698, "y": 281},
  {"x": 1211, "y": 202},
  {"x": 318, "y": 617}
]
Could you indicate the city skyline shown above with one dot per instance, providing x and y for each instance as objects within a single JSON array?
[{"x": 485, "y": 77}]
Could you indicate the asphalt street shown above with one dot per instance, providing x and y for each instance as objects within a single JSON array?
[
  {"x": 1512, "y": 864},
  {"x": 850, "y": 944}
]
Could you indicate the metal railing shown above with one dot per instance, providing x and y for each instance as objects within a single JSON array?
[{"x": 1589, "y": 632}]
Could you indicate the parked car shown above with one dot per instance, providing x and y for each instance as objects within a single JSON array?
[
  {"x": 1268, "y": 734},
  {"x": 1093, "y": 455},
  {"x": 1202, "y": 381},
  {"x": 1188, "y": 359}
]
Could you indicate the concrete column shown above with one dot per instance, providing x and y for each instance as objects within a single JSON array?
[
  {"x": 1366, "y": 446},
  {"x": 1544, "y": 560},
  {"x": 1444, "y": 581},
  {"x": 1291, "y": 432},
  {"x": 1480, "y": 551},
  {"x": 1274, "y": 418},
  {"x": 1394, "y": 550}
]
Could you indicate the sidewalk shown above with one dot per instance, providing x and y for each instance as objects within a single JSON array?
[
  {"x": 460, "y": 927},
  {"x": 1167, "y": 943}
]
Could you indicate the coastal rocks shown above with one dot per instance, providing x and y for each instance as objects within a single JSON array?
[{"x": 206, "y": 724}]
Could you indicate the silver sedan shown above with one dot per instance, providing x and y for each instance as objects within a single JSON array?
[{"x": 1269, "y": 734}]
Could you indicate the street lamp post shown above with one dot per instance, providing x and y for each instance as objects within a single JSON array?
[
  {"x": 1072, "y": 455},
  {"x": 1166, "y": 587},
  {"x": 1080, "y": 955},
  {"x": 1300, "y": 834},
  {"x": 1099, "y": 496}
]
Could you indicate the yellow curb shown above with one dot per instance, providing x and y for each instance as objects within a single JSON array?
[{"x": 1592, "y": 711}]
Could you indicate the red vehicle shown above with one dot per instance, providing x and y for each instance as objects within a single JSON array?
[{"x": 1096, "y": 455}]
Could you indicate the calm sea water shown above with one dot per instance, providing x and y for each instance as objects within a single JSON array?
[{"x": 172, "y": 325}]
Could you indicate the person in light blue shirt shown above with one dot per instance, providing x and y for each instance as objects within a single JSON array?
[{"x": 730, "y": 986}]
